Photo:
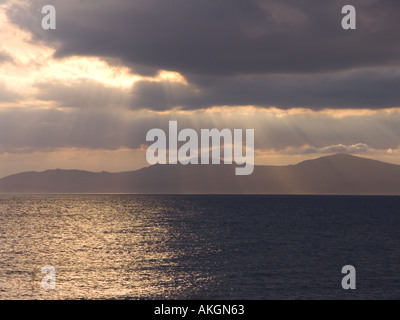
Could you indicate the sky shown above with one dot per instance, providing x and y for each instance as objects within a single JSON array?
[{"x": 84, "y": 96}]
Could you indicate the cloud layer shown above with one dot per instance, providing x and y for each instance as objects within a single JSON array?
[
  {"x": 285, "y": 54},
  {"x": 222, "y": 37},
  {"x": 26, "y": 129},
  {"x": 372, "y": 88}
]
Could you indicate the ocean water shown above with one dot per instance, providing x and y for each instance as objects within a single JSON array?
[{"x": 199, "y": 246}]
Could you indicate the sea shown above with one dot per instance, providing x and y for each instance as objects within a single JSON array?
[{"x": 214, "y": 247}]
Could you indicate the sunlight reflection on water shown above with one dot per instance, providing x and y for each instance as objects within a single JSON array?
[{"x": 197, "y": 247}]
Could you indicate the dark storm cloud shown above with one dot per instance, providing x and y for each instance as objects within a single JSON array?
[
  {"x": 375, "y": 88},
  {"x": 222, "y": 37},
  {"x": 273, "y": 52}
]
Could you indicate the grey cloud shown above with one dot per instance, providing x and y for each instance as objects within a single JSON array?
[
  {"x": 165, "y": 95},
  {"x": 226, "y": 37},
  {"x": 45, "y": 129},
  {"x": 4, "y": 57},
  {"x": 376, "y": 88},
  {"x": 52, "y": 129}
]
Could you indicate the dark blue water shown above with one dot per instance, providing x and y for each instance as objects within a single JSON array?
[{"x": 199, "y": 247}]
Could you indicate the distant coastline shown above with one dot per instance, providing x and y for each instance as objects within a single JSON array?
[{"x": 338, "y": 174}]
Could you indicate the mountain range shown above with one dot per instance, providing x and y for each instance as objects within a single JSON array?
[{"x": 338, "y": 174}]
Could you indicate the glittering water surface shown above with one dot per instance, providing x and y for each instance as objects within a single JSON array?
[{"x": 198, "y": 247}]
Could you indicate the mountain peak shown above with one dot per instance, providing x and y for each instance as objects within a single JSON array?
[{"x": 340, "y": 158}]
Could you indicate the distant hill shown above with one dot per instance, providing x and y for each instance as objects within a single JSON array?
[{"x": 337, "y": 174}]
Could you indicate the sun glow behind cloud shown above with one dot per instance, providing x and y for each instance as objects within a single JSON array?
[{"x": 32, "y": 63}]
